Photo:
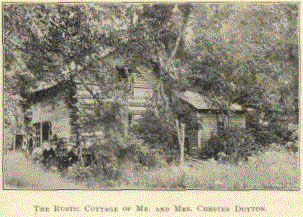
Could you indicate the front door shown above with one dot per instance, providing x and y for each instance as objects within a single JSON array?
[
  {"x": 46, "y": 131},
  {"x": 18, "y": 141}
]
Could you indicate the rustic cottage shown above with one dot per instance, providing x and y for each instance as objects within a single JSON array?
[
  {"x": 206, "y": 119},
  {"x": 68, "y": 108}
]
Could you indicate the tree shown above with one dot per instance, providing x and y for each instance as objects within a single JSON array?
[
  {"x": 248, "y": 51},
  {"x": 242, "y": 52},
  {"x": 47, "y": 39}
]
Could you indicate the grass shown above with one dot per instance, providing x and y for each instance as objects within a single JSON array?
[
  {"x": 21, "y": 173},
  {"x": 272, "y": 170},
  {"x": 276, "y": 170}
]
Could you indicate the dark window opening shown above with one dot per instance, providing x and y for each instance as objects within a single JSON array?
[
  {"x": 130, "y": 119},
  {"x": 122, "y": 74},
  {"x": 220, "y": 122},
  {"x": 18, "y": 142}
]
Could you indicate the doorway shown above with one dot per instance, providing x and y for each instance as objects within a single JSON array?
[
  {"x": 18, "y": 141},
  {"x": 46, "y": 131}
]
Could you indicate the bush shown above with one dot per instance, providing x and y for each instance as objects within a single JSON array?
[
  {"x": 237, "y": 144},
  {"x": 77, "y": 172},
  {"x": 157, "y": 132},
  {"x": 277, "y": 130},
  {"x": 112, "y": 152},
  {"x": 231, "y": 145},
  {"x": 261, "y": 134},
  {"x": 37, "y": 154},
  {"x": 280, "y": 130},
  {"x": 212, "y": 149},
  {"x": 292, "y": 146}
]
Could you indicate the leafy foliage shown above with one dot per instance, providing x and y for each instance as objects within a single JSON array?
[
  {"x": 246, "y": 53},
  {"x": 158, "y": 132},
  {"x": 212, "y": 149},
  {"x": 238, "y": 144},
  {"x": 249, "y": 50},
  {"x": 275, "y": 131},
  {"x": 260, "y": 132},
  {"x": 231, "y": 145}
]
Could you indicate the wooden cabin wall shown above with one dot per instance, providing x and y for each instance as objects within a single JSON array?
[
  {"x": 237, "y": 120},
  {"x": 142, "y": 93},
  {"x": 191, "y": 130},
  {"x": 202, "y": 125},
  {"x": 56, "y": 112},
  {"x": 141, "y": 90},
  {"x": 192, "y": 137},
  {"x": 209, "y": 126}
]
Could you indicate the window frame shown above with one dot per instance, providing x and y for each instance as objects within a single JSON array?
[{"x": 38, "y": 133}]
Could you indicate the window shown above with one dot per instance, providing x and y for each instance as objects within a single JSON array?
[
  {"x": 129, "y": 119},
  {"x": 37, "y": 135},
  {"x": 130, "y": 85},
  {"x": 222, "y": 121},
  {"x": 42, "y": 132},
  {"x": 122, "y": 73}
]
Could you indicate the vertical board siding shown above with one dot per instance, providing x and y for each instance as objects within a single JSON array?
[
  {"x": 192, "y": 137},
  {"x": 209, "y": 125},
  {"x": 237, "y": 120}
]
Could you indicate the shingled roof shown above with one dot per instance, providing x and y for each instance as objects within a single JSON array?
[
  {"x": 39, "y": 95},
  {"x": 202, "y": 102},
  {"x": 197, "y": 100}
]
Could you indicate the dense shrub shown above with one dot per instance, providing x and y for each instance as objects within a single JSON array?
[
  {"x": 231, "y": 145},
  {"x": 79, "y": 173},
  {"x": 115, "y": 150},
  {"x": 276, "y": 131},
  {"x": 157, "y": 132},
  {"x": 261, "y": 133},
  {"x": 280, "y": 129},
  {"x": 238, "y": 144},
  {"x": 212, "y": 149}
]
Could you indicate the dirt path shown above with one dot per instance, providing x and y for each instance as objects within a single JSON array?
[{"x": 21, "y": 173}]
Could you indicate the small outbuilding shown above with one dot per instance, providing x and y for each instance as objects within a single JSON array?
[{"x": 204, "y": 118}]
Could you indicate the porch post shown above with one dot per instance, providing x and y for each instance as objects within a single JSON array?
[
  {"x": 41, "y": 135},
  {"x": 14, "y": 142},
  {"x": 182, "y": 141},
  {"x": 126, "y": 125},
  {"x": 181, "y": 138},
  {"x": 200, "y": 129}
]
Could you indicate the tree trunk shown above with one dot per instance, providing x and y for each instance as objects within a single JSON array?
[{"x": 168, "y": 62}]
